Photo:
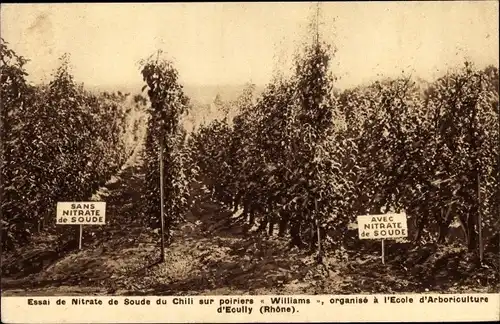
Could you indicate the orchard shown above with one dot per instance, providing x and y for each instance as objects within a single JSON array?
[
  {"x": 60, "y": 142},
  {"x": 295, "y": 163},
  {"x": 310, "y": 159}
]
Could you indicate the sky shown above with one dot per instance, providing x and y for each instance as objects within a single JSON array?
[{"x": 235, "y": 43}]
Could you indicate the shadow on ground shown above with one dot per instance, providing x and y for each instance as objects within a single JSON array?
[{"x": 209, "y": 254}]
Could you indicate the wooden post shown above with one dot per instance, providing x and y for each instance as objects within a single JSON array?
[
  {"x": 383, "y": 251},
  {"x": 318, "y": 232},
  {"x": 479, "y": 219},
  {"x": 80, "y": 237},
  {"x": 162, "y": 257}
]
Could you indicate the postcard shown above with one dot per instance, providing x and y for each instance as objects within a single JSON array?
[{"x": 250, "y": 162}]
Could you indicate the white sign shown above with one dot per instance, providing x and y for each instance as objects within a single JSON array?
[
  {"x": 385, "y": 226},
  {"x": 81, "y": 213}
]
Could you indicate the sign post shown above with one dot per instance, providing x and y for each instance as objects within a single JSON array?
[
  {"x": 80, "y": 237},
  {"x": 386, "y": 226},
  {"x": 81, "y": 213},
  {"x": 162, "y": 204},
  {"x": 383, "y": 252}
]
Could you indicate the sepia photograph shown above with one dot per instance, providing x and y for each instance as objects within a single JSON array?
[{"x": 240, "y": 149}]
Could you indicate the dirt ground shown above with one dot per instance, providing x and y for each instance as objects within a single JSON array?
[{"x": 209, "y": 255}]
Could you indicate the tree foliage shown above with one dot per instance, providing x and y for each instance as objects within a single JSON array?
[
  {"x": 311, "y": 159},
  {"x": 59, "y": 143},
  {"x": 168, "y": 105}
]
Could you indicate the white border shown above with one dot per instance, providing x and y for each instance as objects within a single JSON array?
[{"x": 320, "y": 309}]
